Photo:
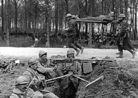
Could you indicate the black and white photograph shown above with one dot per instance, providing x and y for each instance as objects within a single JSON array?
[{"x": 68, "y": 48}]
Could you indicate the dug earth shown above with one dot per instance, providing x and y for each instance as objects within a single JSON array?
[{"x": 120, "y": 80}]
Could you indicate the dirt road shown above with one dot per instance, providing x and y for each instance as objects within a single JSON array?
[{"x": 33, "y": 52}]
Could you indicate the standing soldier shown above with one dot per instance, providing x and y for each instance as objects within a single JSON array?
[
  {"x": 73, "y": 34},
  {"x": 21, "y": 89},
  {"x": 70, "y": 84},
  {"x": 35, "y": 74},
  {"x": 123, "y": 41}
]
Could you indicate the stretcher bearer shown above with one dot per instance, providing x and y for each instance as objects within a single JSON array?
[
  {"x": 123, "y": 41},
  {"x": 73, "y": 34}
]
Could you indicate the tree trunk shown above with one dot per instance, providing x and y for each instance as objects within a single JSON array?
[
  {"x": 67, "y": 6},
  {"x": 2, "y": 15},
  {"x": 56, "y": 19},
  {"x": 47, "y": 24},
  {"x": 126, "y": 7},
  {"x": 102, "y": 7},
  {"x": 36, "y": 14},
  {"x": 90, "y": 34},
  {"x": 121, "y": 7},
  {"x": 135, "y": 22},
  {"x": 25, "y": 16},
  {"x": 16, "y": 15},
  {"x": 8, "y": 23}
]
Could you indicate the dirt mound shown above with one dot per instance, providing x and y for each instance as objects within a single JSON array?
[{"x": 121, "y": 80}]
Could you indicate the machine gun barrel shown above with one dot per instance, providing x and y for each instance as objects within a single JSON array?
[{"x": 80, "y": 60}]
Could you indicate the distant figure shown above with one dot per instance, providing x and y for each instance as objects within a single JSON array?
[
  {"x": 73, "y": 34},
  {"x": 123, "y": 41}
]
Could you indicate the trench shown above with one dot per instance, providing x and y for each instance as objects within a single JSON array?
[{"x": 121, "y": 81}]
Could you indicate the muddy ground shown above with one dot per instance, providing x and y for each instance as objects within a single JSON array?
[{"x": 120, "y": 80}]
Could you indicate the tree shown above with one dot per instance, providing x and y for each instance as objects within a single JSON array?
[
  {"x": 2, "y": 15},
  {"x": 8, "y": 22},
  {"x": 16, "y": 6}
]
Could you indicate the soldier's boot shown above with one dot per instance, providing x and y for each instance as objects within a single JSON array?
[
  {"x": 118, "y": 53},
  {"x": 121, "y": 54},
  {"x": 134, "y": 53},
  {"x": 78, "y": 51},
  {"x": 80, "y": 47}
]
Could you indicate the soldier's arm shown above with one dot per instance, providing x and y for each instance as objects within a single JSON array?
[
  {"x": 27, "y": 73},
  {"x": 44, "y": 70},
  {"x": 59, "y": 69},
  {"x": 79, "y": 69}
]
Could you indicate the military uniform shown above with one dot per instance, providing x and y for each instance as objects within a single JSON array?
[
  {"x": 45, "y": 63},
  {"x": 38, "y": 76},
  {"x": 34, "y": 75},
  {"x": 43, "y": 59},
  {"x": 17, "y": 93},
  {"x": 22, "y": 90},
  {"x": 70, "y": 84},
  {"x": 123, "y": 41},
  {"x": 73, "y": 35}
]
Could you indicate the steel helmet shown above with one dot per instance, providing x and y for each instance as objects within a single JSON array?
[
  {"x": 111, "y": 14},
  {"x": 122, "y": 16},
  {"x": 70, "y": 51},
  {"x": 41, "y": 52},
  {"x": 68, "y": 15},
  {"x": 74, "y": 17},
  {"x": 21, "y": 80},
  {"x": 32, "y": 62}
]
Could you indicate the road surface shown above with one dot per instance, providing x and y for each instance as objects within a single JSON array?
[{"x": 33, "y": 52}]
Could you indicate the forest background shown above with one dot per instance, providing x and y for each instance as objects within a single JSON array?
[{"x": 21, "y": 21}]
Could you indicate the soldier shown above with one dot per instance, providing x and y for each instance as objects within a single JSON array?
[
  {"x": 45, "y": 63},
  {"x": 43, "y": 59},
  {"x": 123, "y": 41},
  {"x": 73, "y": 34},
  {"x": 36, "y": 74},
  {"x": 69, "y": 85},
  {"x": 21, "y": 89}
]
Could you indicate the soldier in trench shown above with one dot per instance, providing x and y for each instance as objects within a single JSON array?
[
  {"x": 34, "y": 82},
  {"x": 69, "y": 85}
]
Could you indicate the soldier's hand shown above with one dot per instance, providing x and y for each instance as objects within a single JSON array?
[
  {"x": 55, "y": 67},
  {"x": 70, "y": 72}
]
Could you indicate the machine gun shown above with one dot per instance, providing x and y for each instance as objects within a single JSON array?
[
  {"x": 67, "y": 60},
  {"x": 87, "y": 65}
]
